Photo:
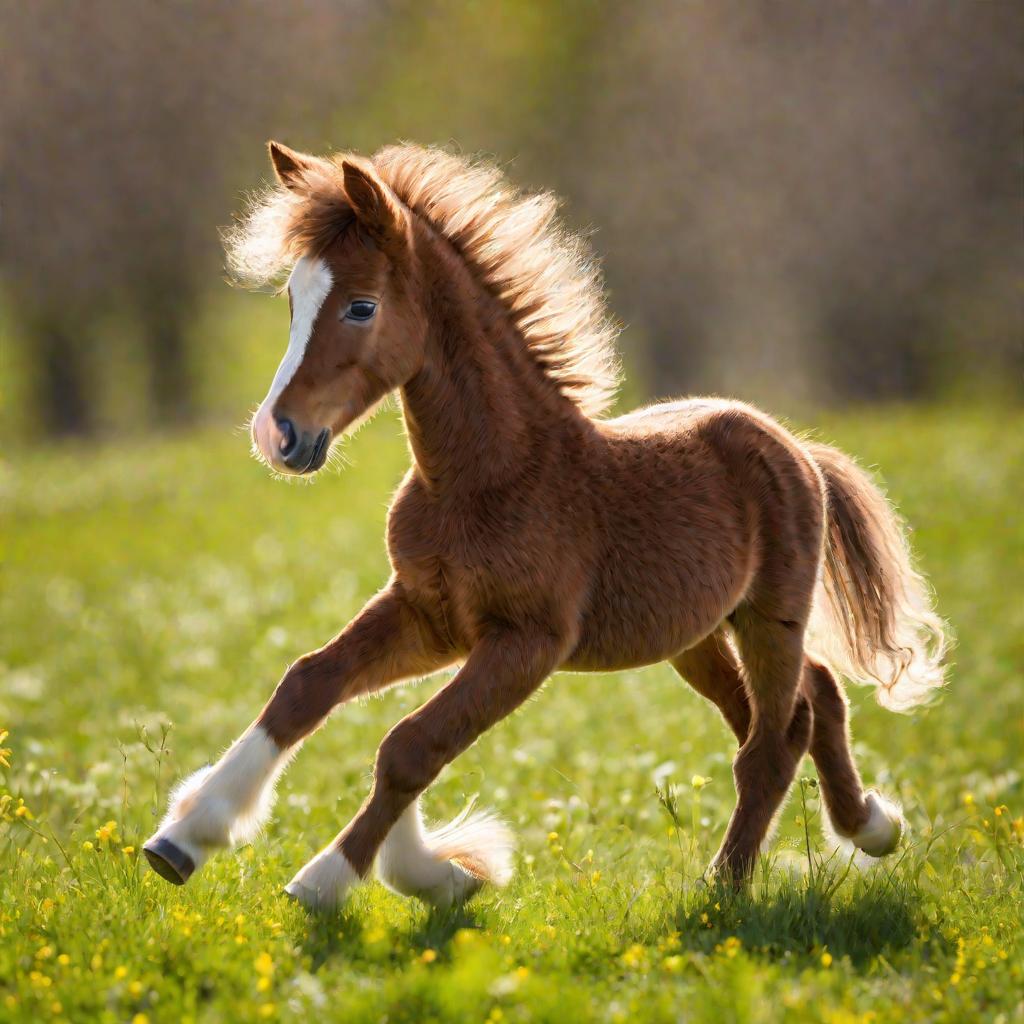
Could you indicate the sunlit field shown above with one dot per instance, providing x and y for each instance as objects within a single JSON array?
[{"x": 153, "y": 594}]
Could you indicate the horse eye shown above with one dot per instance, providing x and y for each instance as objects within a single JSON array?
[{"x": 361, "y": 309}]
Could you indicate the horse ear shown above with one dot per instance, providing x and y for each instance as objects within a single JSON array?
[
  {"x": 374, "y": 204},
  {"x": 290, "y": 166}
]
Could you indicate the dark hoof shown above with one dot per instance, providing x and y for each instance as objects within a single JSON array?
[{"x": 169, "y": 861}]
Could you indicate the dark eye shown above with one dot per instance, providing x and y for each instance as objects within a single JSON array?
[{"x": 361, "y": 309}]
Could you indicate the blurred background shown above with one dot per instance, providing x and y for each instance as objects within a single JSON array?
[
  {"x": 799, "y": 204},
  {"x": 815, "y": 205}
]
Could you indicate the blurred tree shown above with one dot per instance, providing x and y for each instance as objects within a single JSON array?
[
  {"x": 793, "y": 200},
  {"x": 794, "y": 191},
  {"x": 123, "y": 128}
]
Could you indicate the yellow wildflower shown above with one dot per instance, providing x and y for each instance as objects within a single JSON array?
[
  {"x": 673, "y": 964},
  {"x": 127, "y": 850},
  {"x": 699, "y": 781},
  {"x": 826, "y": 959},
  {"x": 120, "y": 972},
  {"x": 267, "y": 1010},
  {"x": 87, "y": 845},
  {"x": 428, "y": 956},
  {"x": 264, "y": 965},
  {"x": 140, "y": 1018},
  {"x": 105, "y": 833},
  {"x": 5, "y": 752},
  {"x": 635, "y": 957}
]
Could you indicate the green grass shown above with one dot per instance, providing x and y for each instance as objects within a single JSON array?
[{"x": 152, "y": 596}]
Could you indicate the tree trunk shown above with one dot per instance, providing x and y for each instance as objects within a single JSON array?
[{"x": 63, "y": 400}]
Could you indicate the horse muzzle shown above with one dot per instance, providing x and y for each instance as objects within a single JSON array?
[{"x": 287, "y": 447}]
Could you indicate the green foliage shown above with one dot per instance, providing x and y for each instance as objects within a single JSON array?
[{"x": 155, "y": 592}]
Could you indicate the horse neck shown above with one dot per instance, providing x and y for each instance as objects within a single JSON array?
[{"x": 481, "y": 404}]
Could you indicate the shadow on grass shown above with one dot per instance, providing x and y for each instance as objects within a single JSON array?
[
  {"x": 872, "y": 917},
  {"x": 344, "y": 934},
  {"x": 331, "y": 934},
  {"x": 437, "y": 929}
]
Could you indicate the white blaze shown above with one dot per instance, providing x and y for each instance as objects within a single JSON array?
[{"x": 309, "y": 285}]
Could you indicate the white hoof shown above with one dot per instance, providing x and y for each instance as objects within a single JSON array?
[
  {"x": 324, "y": 882},
  {"x": 881, "y": 833},
  {"x": 450, "y": 864}
]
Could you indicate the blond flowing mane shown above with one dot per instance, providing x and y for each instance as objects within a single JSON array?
[{"x": 512, "y": 242}]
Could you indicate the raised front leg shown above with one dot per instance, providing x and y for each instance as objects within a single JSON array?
[
  {"x": 500, "y": 673},
  {"x": 226, "y": 803}
]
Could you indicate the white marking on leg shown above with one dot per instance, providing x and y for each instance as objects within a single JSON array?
[
  {"x": 309, "y": 285},
  {"x": 449, "y": 864},
  {"x": 226, "y": 803},
  {"x": 325, "y": 881},
  {"x": 881, "y": 833},
  {"x": 878, "y": 836}
]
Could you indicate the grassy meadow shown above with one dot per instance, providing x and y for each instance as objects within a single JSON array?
[{"x": 153, "y": 593}]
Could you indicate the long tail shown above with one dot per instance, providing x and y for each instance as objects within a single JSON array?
[{"x": 873, "y": 615}]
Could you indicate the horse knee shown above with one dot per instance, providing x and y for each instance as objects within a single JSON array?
[
  {"x": 404, "y": 764},
  {"x": 300, "y": 702}
]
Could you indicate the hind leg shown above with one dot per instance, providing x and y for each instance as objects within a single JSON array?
[
  {"x": 779, "y": 735},
  {"x": 713, "y": 670},
  {"x": 868, "y": 820}
]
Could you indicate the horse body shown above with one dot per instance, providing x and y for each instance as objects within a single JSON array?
[
  {"x": 531, "y": 535},
  {"x": 638, "y": 536}
]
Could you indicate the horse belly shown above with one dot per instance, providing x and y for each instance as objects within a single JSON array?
[{"x": 664, "y": 584}]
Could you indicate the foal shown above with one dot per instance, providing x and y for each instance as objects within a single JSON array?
[{"x": 530, "y": 535}]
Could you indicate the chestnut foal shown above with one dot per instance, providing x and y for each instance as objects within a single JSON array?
[{"x": 530, "y": 535}]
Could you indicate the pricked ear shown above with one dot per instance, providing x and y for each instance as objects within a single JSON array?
[
  {"x": 374, "y": 204},
  {"x": 290, "y": 166}
]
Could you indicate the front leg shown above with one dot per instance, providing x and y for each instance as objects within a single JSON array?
[
  {"x": 226, "y": 803},
  {"x": 502, "y": 670}
]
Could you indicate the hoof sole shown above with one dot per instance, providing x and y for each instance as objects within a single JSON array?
[{"x": 170, "y": 862}]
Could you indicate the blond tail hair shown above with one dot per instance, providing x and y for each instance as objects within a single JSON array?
[{"x": 874, "y": 620}]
